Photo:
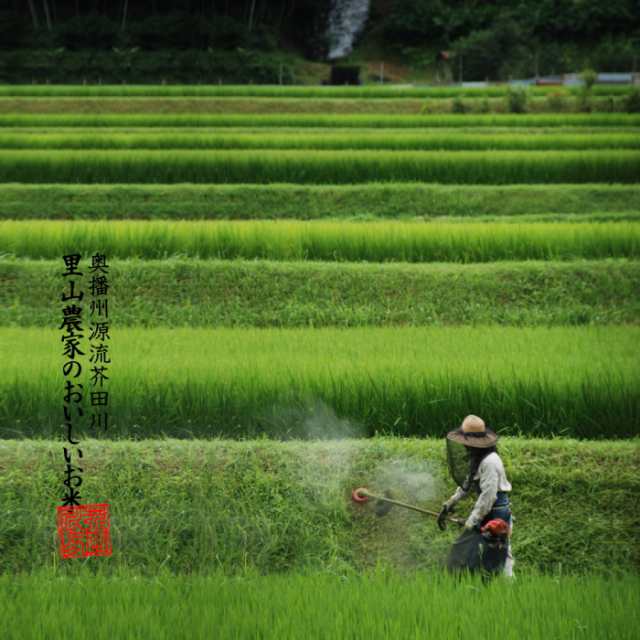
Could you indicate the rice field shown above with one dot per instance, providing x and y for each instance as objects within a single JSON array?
[
  {"x": 323, "y": 166},
  {"x": 550, "y": 187},
  {"x": 444, "y": 140},
  {"x": 310, "y": 284},
  {"x": 377, "y": 606},
  {"x": 379, "y": 241},
  {"x": 302, "y": 120},
  {"x": 242, "y": 382}
]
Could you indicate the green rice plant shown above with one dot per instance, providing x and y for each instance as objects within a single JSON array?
[
  {"x": 277, "y": 91},
  {"x": 319, "y": 240},
  {"x": 381, "y": 605},
  {"x": 299, "y": 120},
  {"x": 373, "y": 200},
  {"x": 264, "y": 506},
  {"x": 322, "y": 166},
  {"x": 188, "y": 292},
  {"x": 414, "y": 381},
  {"x": 314, "y": 139}
]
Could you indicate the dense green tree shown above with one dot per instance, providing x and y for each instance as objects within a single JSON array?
[
  {"x": 491, "y": 38},
  {"x": 93, "y": 31}
]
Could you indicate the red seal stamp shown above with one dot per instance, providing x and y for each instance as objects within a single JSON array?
[{"x": 84, "y": 530}]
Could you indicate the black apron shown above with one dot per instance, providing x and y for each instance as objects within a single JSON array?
[{"x": 473, "y": 552}]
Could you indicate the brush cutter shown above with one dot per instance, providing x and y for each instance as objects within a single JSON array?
[{"x": 384, "y": 504}]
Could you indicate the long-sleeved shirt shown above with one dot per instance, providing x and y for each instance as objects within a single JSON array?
[{"x": 492, "y": 478}]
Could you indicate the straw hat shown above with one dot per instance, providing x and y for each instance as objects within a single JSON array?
[{"x": 473, "y": 433}]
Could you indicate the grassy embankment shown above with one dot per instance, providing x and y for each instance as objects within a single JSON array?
[
  {"x": 198, "y": 507},
  {"x": 253, "y": 201},
  {"x": 334, "y": 105},
  {"x": 188, "y": 292}
]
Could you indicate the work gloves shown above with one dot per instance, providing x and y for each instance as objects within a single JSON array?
[
  {"x": 442, "y": 516},
  {"x": 471, "y": 526}
]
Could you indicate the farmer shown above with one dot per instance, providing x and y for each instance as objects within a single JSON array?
[{"x": 476, "y": 466}]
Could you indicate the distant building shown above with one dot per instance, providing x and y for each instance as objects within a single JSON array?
[{"x": 574, "y": 79}]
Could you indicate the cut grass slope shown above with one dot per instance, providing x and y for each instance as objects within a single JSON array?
[
  {"x": 293, "y": 104},
  {"x": 388, "y": 200},
  {"x": 268, "y": 506},
  {"x": 189, "y": 292}
]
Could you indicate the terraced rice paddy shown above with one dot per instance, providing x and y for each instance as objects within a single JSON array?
[
  {"x": 390, "y": 139},
  {"x": 337, "y": 241},
  {"x": 356, "y": 279},
  {"x": 323, "y": 166},
  {"x": 297, "y": 121},
  {"x": 573, "y": 381}
]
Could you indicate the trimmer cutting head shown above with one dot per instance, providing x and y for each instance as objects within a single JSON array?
[{"x": 362, "y": 495}]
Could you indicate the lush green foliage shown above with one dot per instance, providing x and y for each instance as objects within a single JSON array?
[
  {"x": 385, "y": 200},
  {"x": 188, "y": 292},
  {"x": 128, "y": 65},
  {"x": 199, "y": 506},
  {"x": 204, "y": 382},
  {"x": 256, "y": 27},
  {"x": 503, "y": 40},
  {"x": 320, "y": 240},
  {"x": 517, "y": 100},
  {"x": 496, "y": 40},
  {"x": 633, "y": 102}
]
